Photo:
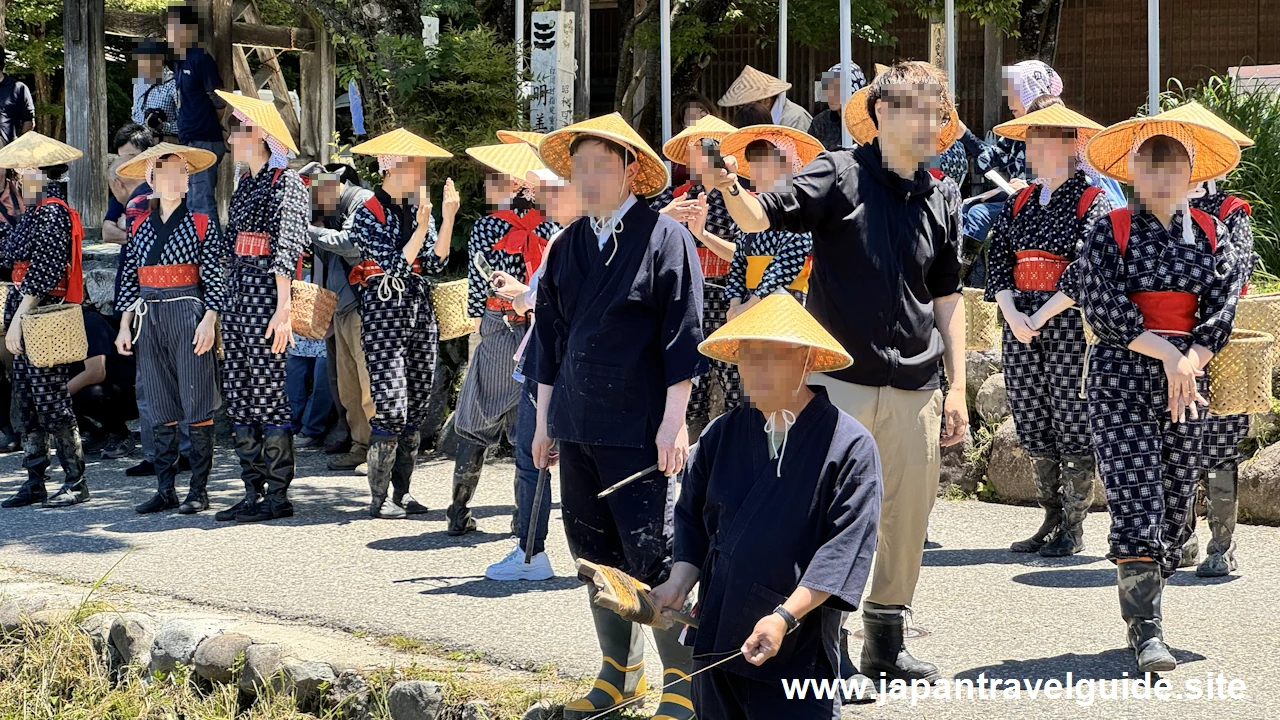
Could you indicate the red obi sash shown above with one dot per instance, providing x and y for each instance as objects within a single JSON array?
[
  {"x": 1038, "y": 270},
  {"x": 253, "y": 244},
  {"x": 521, "y": 239},
  {"x": 71, "y": 287},
  {"x": 20, "y": 271},
  {"x": 366, "y": 269},
  {"x": 503, "y": 305},
  {"x": 713, "y": 266},
  {"x": 169, "y": 276},
  {"x": 1167, "y": 311}
]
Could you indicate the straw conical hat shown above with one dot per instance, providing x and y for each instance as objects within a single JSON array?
[
  {"x": 520, "y": 136},
  {"x": 863, "y": 129},
  {"x": 34, "y": 150},
  {"x": 1058, "y": 116},
  {"x": 401, "y": 142},
  {"x": 1194, "y": 112},
  {"x": 1214, "y": 153},
  {"x": 777, "y": 318},
  {"x": 752, "y": 85},
  {"x": 197, "y": 160},
  {"x": 263, "y": 114},
  {"x": 554, "y": 151},
  {"x": 516, "y": 160},
  {"x": 806, "y": 146},
  {"x": 677, "y": 148}
]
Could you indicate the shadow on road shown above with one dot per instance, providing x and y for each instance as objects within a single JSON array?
[
  {"x": 480, "y": 587},
  {"x": 997, "y": 556},
  {"x": 436, "y": 540},
  {"x": 1068, "y": 578},
  {"x": 1107, "y": 665}
]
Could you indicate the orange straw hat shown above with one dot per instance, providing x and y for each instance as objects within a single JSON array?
[
  {"x": 677, "y": 148},
  {"x": 777, "y": 318},
  {"x": 261, "y": 114},
  {"x": 1194, "y": 112},
  {"x": 1057, "y": 116},
  {"x": 799, "y": 147},
  {"x": 514, "y": 159},
  {"x": 520, "y": 136},
  {"x": 1213, "y": 153},
  {"x": 554, "y": 151},
  {"x": 140, "y": 166}
]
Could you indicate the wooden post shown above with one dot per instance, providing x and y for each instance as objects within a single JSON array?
[
  {"x": 221, "y": 17},
  {"x": 937, "y": 42},
  {"x": 992, "y": 76},
  {"x": 582, "y": 54},
  {"x": 279, "y": 88},
  {"x": 317, "y": 86},
  {"x": 86, "y": 106},
  {"x": 4, "y": 33}
]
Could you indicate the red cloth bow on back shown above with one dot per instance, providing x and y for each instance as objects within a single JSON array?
[{"x": 521, "y": 239}]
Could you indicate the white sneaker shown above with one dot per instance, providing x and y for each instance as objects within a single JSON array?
[
  {"x": 362, "y": 469},
  {"x": 513, "y": 567}
]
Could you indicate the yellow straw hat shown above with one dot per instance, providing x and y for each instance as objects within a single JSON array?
[
  {"x": 777, "y": 318},
  {"x": 197, "y": 160},
  {"x": 403, "y": 143},
  {"x": 520, "y": 136},
  {"x": 516, "y": 160},
  {"x": 1194, "y": 112},
  {"x": 677, "y": 148},
  {"x": 863, "y": 129},
  {"x": 1213, "y": 153},
  {"x": 262, "y": 114},
  {"x": 554, "y": 151},
  {"x": 798, "y": 146},
  {"x": 34, "y": 150},
  {"x": 1058, "y": 116},
  {"x": 752, "y": 85}
]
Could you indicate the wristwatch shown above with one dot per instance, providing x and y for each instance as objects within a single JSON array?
[
  {"x": 792, "y": 623},
  {"x": 735, "y": 190}
]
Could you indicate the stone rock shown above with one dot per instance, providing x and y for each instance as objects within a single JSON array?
[
  {"x": 308, "y": 682},
  {"x": 415, "y": 700},
  {"x": 979, "y": 365},
  {"x": 261, "y": 667},
  {"x": 99, "y": 287},
  {"x": 475, "y": 710},
  {"x": 175, "y": 644},
  {"x": 216, "y": 656},
  {"x": 18, "y": 610},
  {"x": 992, "y": 402},
  {"x": 1259, "y": 488},
  {"x": 956, "y": 468},
  {"x": 132, "y": 634},
  {"x": 543, "y": 710},
  {"x": 1012, "y": 475},
  {"x": 349, "y": 696}
]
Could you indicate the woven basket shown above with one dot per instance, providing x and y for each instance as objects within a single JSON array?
[
  {"x": 450, "y": 303},
  {"x": 54, "y": 335},
  {"x": 1261, "y": 313},
  {"x": 4, "y": 300},
  {"x": 1240, "y": 374},
  {"x": 311, "y": 309},
  {"x": 981, "y": 321}
]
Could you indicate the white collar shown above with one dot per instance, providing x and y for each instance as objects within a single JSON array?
[{"x": 606, "y": 229}]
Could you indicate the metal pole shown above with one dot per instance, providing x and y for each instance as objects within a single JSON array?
[
  {"x": 664, "y": 23},
  {"x": 1153, "y": 56},
  {"x": 846, "y": 62},
  {"x": 782, "y": 40},
  {"x": 951, "y": 46},
  {"x": 519, "y": 40}
]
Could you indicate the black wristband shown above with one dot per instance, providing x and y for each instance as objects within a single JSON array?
[
  {"x": 792, "y": 623},
  {"x": 735, "y": 190}
]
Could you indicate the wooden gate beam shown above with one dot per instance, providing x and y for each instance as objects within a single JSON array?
[
  {"x": 279, "y": 88},
  {"x": 317, "y": 84},
  {"x": 279, "y": 37},
  {"x": 86, "y": 106}
]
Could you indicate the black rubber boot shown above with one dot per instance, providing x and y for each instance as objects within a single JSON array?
[
  {"x": 1220, "y": 555},
  {"x": 382, "y": 462},
  {"x": 74, "y": 490},
  {"x": 202, "y": 442},
  {"x": 166, "y": 448},
  {"x": 402, "y": 473},
  {"x": 253, "y": 471},
  {"x": 1077, "y": 491},
  {"x": 1048, "y": 480},
  {"x": 35, "y": 458},
  {"x": 884, "y": 650},
  {"x": 1191, "y": 548},
  {"x": 466, "y": 478},
  {"x": 621, "y": 675},
  {"x": 1141, "y": 586},
  {"x": 277, "y": 456},
  {"x": 863, "y": 689}
]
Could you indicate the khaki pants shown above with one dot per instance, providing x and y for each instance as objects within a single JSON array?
[
  {"x": 353, "y": 377},
  {"x": 906, "y": 425}
]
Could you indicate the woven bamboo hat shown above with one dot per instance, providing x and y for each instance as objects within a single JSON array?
[
  {"x": 516, "y": 160},
  {"x": 1213, "y": 153},
  {"x": 403, "y": 143},
  {"x": 677, "y": 148},
  {"x": 136, "y": 167},
  {"x": 554, "y": 151},
  {"x": 34, "y": 150},
  {"x": 752, "y": 85},
  {"x": 1058, "y": 116},
  {"x": 1194, "y": 112},
  {"x": 262, "y": 114},
  {"x": 800, "y": 147},
  {"x": 520, "y": 136},
  {"x": 863, "y": 129},
  {"x": 777, "y": 318}
]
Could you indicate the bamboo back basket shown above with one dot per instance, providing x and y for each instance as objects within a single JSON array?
[
  {"x": 1240, "y": 374},
  {"x": 982, "y": 329},
  {"x": 449, "y": 300}
]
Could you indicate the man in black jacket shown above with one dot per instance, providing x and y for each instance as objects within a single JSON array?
[{"x": 886, "y": 284}]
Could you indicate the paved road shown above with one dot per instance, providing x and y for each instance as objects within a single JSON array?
[{"x": 985, "y": 611}]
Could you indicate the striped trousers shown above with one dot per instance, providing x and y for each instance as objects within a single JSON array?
[
  {"x": 490, "y": 395},
  {"x": 178, "y": 384}
]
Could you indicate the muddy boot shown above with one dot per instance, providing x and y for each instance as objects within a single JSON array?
[
  {"x": 202, "y": 442},
  {"x": 1047, "y": 483},
  {"x": 1191, "y": 548},
  {"x": 677, "y": 663},
  {"x": 466, "y": 477},
  {"x": 1077, "y": 489},
  {"x": 253, "y": 471},
  {"x": 382, "y": 460},
  {"x": 167, "y": 453},
  {"x": 277, "y": 458},
  {"x": 402, "y": 473},
  {"x": 74, "y": 490},
  {"x": 1141, "y": 586},
  {"x": 621, "y": 675},
  {"x": 35, "y": 458},
  {"x": 1220, "y": 555},
  {"x": 884, "y": 650}
]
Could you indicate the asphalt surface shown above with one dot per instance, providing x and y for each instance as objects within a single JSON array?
[{"x": 981, "y": 611}]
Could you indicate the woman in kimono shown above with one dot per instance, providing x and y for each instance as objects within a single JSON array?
[
  {"x": 768, "y": 155},
  {"x": 1159, "y": 286},
  {"x": 1037, "y": 236},
  {"x": 776, "y": 521},
  {"x": 397, "y": 238},
  {"x": 510, "y": 239},
  {"x": 172, "y": 288},
  {"x": 266, "y": 234},
  {"x": 43, "y": 248}
]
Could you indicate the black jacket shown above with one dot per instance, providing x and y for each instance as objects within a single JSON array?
[{"x": 883, "y": 249}]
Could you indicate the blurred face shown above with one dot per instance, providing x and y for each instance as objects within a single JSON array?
[
  {"x": 127, "y": 151},
  {"x": 178, "y": 33},
  {"x": 1050, "y": 155},
  {"x": 693, "y": 112},
  {"x": 150, "y": 67},
  {"x": 171, "y": 178},
  {"x": 699, "y": 164},
  {"x": 831, "y": 90},
  {"x": 1013, "y": 98},
  {"x": 499, "y": 189},
  {"x": 403, "y": 179},
  {"x": 1161, "y": 184},
  {"x": 772, "y": 372},
  {"x": 326, "y": 192},
  {"x": 910, "y": 116},
  {"x": 33, "y": 182},
  {"x": 247, "y": 142},
  {"x": 602, "y": 179},
  {"x": 561, "y": 202},
  {"x": 771, "y": 172}
]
